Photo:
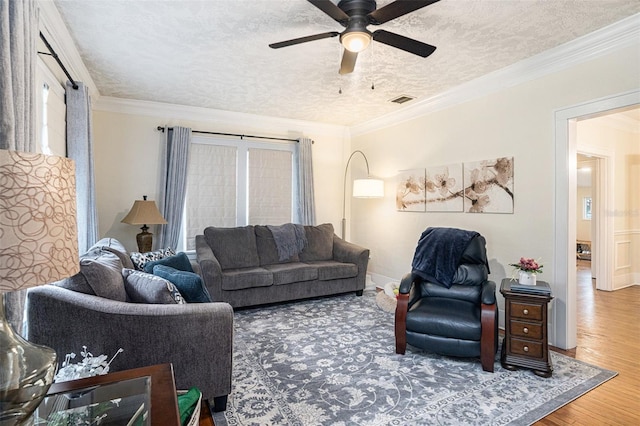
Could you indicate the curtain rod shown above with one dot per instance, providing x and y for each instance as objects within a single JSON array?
[
  {"x": 55, "y": 56},
  {"x": 236, "y": 135}
]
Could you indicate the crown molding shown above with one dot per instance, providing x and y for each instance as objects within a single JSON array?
[
  {"x": 622, "y": 34},
  {"x": 57, "y": 34},
  {"x": 170, "y": 114}
]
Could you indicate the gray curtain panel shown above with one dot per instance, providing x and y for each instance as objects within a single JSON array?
[
  {"x": 306, "y": 207},
  {"x": 173, "y": 184},
  {"x": 80, "y": 150},
  {"x": 18, "y": 32}
]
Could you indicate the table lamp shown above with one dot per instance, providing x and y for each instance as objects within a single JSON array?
[
  {"x": 144, "y": 212},
  {"x": 39, "y": 245}
]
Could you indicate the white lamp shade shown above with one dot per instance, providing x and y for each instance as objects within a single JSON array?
[
  {"x": 368, "y": 188},
  {"x": 37, "y": 220}
]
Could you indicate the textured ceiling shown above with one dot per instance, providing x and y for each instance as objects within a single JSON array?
[{"x": 215, "y": 54}]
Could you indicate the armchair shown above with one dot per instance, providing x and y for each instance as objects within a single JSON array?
[{"x": 446, "y": 305}]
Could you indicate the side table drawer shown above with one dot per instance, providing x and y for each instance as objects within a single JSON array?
[
  {"x": 526, "y": 311},
  {"x": 524, "y": 329},
  {"x": 527, "y": 348}
]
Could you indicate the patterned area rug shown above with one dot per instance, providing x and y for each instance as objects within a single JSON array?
[{"x": 332, "y": 361}]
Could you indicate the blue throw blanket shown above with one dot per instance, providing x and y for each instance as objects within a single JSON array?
[
  {"x": 439, "y": 252},
  {"x": 290, "y": 239}
]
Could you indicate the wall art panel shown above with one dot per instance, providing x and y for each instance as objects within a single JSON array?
[
  {"x": 410, "y": 191},
  {"x": 444, "y": 188},
  {"x": 488, "y": 186}
]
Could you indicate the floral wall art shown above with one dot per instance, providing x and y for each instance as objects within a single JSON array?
[
  {"x": 488, "y": 186},
  {"x": 444, "y": 188},
  {"x": 410, "y": 191}
]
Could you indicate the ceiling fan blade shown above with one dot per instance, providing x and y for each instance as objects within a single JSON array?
[
  {"x": 330, "y": 8},
  {"x": 348, "y": 62},
  {"x": 303, "y": 40},
  {"x": 404, "y": 43},
  {"x": 396, "y": 9}
]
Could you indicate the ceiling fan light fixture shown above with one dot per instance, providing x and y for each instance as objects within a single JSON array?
[{"x": 355, "y": 41}]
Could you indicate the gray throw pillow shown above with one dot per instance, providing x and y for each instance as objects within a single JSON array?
[
  {"x": 148, "y": 288},
  {"x": 233, "y": 247},
  {"x": 99, "y": 271},
  {"x": 319, "y": 243},
  {"x": 115, "y": 247}
]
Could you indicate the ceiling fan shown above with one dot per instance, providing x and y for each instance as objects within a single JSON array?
[{"x": 355, "y": 15}]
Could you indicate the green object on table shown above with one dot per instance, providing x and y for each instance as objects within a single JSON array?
[{"x": 187, "y": 403}]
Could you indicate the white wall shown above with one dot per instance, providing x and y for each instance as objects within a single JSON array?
[
  {"x": 127, "y": 151},
  {"x": 518, "y": 122}
]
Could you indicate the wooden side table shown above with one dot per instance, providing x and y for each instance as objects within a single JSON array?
[{"x": 526, "y": 342}]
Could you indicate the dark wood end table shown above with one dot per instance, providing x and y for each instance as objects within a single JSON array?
[{"x": 526, "y": 341}]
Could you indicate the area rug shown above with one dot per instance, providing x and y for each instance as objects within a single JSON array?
[{"x": 332, "y": 361}]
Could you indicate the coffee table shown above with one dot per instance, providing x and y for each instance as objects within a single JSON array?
[{"x": 140, "y": 396}]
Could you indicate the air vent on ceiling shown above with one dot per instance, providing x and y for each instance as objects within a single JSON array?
[{"x": 402, "y": 99}]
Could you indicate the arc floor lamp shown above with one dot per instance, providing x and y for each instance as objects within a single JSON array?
[{"x": 362, "y": 188}]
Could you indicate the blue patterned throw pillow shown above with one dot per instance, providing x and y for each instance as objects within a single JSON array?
[
  {"x": 189, "y": 284},
  {"x": 178, "y": 261}
]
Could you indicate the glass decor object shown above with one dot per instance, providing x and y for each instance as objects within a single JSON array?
[{"x": 39, "y": 246}]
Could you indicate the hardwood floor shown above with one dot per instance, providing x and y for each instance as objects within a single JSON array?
[{"x": 609, "y": 337}]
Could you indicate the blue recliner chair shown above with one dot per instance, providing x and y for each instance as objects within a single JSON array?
[{"x": 446, "y": 304}]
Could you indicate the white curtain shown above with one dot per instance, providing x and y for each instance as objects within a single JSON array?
[
  {"x": 306, "y": 207},
  {"x": 80, "y": 150},
  {"x": 173, "y": 184},
  {"x": 18, "y": 32}
]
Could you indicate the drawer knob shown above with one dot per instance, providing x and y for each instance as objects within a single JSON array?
[
  {"x": 526, "y": 312},
  {"x": 525, "y": 330},
  {"x": 526, "y": 348}
]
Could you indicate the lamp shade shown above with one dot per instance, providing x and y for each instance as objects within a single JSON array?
[
  {"x": 38, "y": 226},
  {"x": 39, "y": 238},
  {"x": 355, "y": 41},
  {"x": 368, "y": 188},
  {"x": 144, "y": 212}
]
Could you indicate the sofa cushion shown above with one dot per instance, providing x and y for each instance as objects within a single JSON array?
[
  {"x": 267, "y": 249},
  {"x": 233, "y": 247},
  {"x": 189, "y": 284},
  {"x": 141, "y": 259},
  {"x": 99, "y": 275},
  {"x": 115, "y": 247},
  {"x": 148, "y": 288},
  {"x": 332, "y": 270},
  {"x": 238, "y": 279},
  {"x": 178, "y": 261},
  {"x": 319, "y": 243},
  {"x": 292, "y": 273}
]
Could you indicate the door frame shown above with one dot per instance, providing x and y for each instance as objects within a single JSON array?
[{"x": 564, "y": 273}]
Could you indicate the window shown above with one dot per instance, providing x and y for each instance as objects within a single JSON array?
[
  {"x": 586, "y": 208},
  {"x": 237, "y": 183},
  {"x": 51, "y": 112}
]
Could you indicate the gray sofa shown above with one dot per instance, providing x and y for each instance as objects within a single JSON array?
[
  {"x": 195, "y": 337},
  {"x": 241, "y": 265}
]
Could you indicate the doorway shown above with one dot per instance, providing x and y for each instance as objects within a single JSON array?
[{"x": 564, "y": 273}]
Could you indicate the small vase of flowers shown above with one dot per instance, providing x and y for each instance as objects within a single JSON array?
[{"x": 527, "y": 270}]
